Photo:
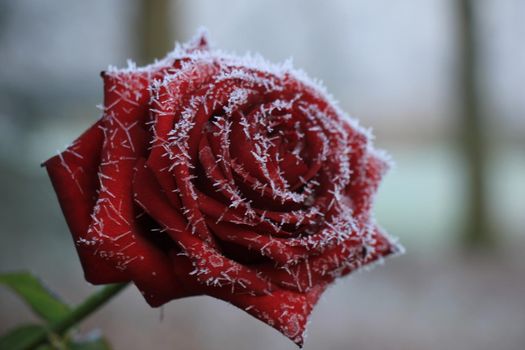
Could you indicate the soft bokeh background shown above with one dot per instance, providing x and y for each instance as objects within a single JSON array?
[{"x": 443, "y": 95}]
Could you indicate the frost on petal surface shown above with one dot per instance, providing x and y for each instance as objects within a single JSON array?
[{"x": 215, "y": 174}]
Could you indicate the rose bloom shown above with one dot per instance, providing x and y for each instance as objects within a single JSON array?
[{"x": 212, "y": 174}]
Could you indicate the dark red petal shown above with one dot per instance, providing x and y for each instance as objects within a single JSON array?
[
  {"x": 286, "y": 311},
  {"x": 366, "y": 180},
  {"x": 74, "y": 177},
  {"x": 359, "y": 250},
  {"x": 221, "y": 212},
  {"x": 117, "y": 236},
  {"x": 280, "y": 250}
]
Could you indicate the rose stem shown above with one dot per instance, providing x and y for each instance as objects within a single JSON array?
[{"x": 86, "y": 308}]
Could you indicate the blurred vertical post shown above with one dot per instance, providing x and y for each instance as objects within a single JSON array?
[
  {"x": 153, "y": 30},
  {"x": 472, "y": 136}
]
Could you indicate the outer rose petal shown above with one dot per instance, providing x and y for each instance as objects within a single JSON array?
[
  {"x": 363, "y": 188},
  {"x": 74, "y": 177},
  {"x": 119, "y": 238},
  {"x": 286, "y": 311}
]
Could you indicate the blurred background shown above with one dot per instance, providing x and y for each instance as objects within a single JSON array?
[{"x": 439, "y": 81}]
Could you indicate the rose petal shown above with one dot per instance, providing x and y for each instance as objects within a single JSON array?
[
  {"x": 74, "y": 177},
  {"x": 286, "y": 311},
  {"x": 119, "y": 239}
]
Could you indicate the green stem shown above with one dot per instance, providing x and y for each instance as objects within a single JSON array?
[{"x": 86, "y": 308}]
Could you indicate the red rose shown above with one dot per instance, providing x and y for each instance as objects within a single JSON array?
[{"x": 225, "y": 176}]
